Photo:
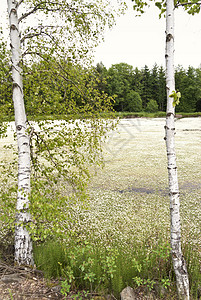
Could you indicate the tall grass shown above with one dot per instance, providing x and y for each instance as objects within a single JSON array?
[{"x": 98, "y": 269}]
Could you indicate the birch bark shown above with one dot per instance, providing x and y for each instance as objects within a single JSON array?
[
  {"x": 23, "y": 244},
  {"x": 179, "y": 263}
]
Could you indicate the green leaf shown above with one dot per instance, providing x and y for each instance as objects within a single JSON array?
[
  {"x": 158, "y": 4},
  {"x": 176, "y": 98}
]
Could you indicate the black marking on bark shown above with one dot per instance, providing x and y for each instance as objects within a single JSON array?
[
  {"x": 169, "y": 114},
  {"x": 183, "y": 266},
  {"x": 19, "y": 127},
  {"x": 165, "y": 138},
  {"x": 14, "y": 11},
  {"x": 174, "y": 193},
  {"x": 15, "y": 84},
  {"x": 166, "y": 56},
  {"x": 13, "y": 27},
  {"x": 170, "y": 153},
  {"x": 169, "y": 37},
  {"x": 171, "y": 168}
]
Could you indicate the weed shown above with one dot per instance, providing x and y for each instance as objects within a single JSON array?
[
  {"x": 10, "y": 294},
  {"x": 90, "y": 267},
  {"x": 194, "y": 271}
]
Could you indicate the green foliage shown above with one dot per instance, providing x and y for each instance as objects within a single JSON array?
[
  {"x": 122, "y": 80},
  {"x": 8, "y": 192},
  {"x": 72, "y": 35},
  {"x": 5, "y": 78},
  {"x": 3, "y": 129},
  {"x": 50, "y": 257},
  {"x": 188, "y": 81},
  {"x": 176, "y": 98},
  {"x": 119, "y": 80},
  {"x": 134, "y": 102},
  {"x": 144, "y": 282},
  {"x": 10, "y": 294},
  {"x": 146, "y": 86},
  {"x": 64, "y": 154},
  {"x": 93, "y": 267},
  {"x": 152, "y": 106},
  {"x": 192, "y": 7},
  {"x": 60, "y": 87},
  {"x": 65, "y": 287},
  {"x": 56, "y": 81},
  {"x": 126, "y": 83}
]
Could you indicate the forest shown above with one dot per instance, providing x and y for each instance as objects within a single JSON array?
[
  {"x": 145, "y": 89},
  {"x": 132, "y": 89}
]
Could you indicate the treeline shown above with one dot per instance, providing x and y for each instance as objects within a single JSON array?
[
  {"x": 145, "y": 89},
  {"x": 59, "y": 87}
]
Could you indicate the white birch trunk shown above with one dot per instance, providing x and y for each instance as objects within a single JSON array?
[
  {"x": 23, "y": 244},
  {"x": 179, "y": 263}
]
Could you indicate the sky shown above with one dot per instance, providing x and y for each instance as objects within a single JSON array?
[{"x": 140, "y": 41}]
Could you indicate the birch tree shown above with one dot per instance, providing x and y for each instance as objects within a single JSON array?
[
  {"x": 23, "y": 243},
  {"x": 173, "y": 98},
  {"x": 178, "y": 260},
  {"x": 77, "y": 28}
]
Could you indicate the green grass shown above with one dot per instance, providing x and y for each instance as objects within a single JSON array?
[
  {"x": 94, "y": 268},
  {"x": 142, "y": 114},
  {"x": 121, "y": 115},
  {"x": 108, "y": 269}
]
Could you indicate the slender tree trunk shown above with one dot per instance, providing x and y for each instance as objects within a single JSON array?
[
  {"x": 23, "y": 244},
  {"x": 179, "y": 263}
]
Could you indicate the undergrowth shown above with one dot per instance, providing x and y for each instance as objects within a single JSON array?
[{"x": 89, "y": 267}]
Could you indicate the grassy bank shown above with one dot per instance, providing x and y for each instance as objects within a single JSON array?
[{"x": 121, "y": 115}]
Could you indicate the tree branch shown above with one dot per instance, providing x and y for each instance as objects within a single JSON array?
[
  {"x": 24, "y": 16},
  {"x": 55, "y": 163},
  {"x": 41, "y": 27},
  {"x": 187, "y": 3},
  {"x": 29, "y": 36},
  {"x": 20, "y": 2},
  {"x": 38, "y": 7},
  {"x": 31, "y": 53}
]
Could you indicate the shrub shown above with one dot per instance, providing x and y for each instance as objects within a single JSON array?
[
  {"x": 134, "y": 102},
  {"x": 152, "y": 106}
]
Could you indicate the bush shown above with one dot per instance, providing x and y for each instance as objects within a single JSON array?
[
  {"x": 152, "y": 106},
  {"x": 134, "y": 102}
]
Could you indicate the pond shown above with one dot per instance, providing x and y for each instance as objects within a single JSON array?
[{"x": 129, "y": 199}]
